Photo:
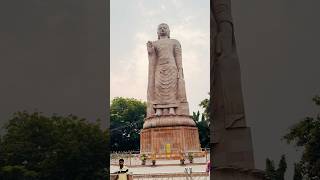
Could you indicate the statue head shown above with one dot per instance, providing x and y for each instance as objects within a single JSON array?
[{"x": 163, "y": 30}]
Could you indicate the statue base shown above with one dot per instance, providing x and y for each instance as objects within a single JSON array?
[
  {"x": 168, "y": 121},
  {"x": 173, "y": 140},
  {"x": 231, "y": 173}
]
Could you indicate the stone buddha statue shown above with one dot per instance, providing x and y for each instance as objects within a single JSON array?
[
  {"x": 168, "y": 123},
  {"x": 166, "y": 86}
]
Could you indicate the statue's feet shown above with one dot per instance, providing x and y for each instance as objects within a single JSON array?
[
  {"x": 171, "y": 111},
  {"x": 158, "y": 112}
]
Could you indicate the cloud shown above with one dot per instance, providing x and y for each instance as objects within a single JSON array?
[
  {"x": 130, "y": 79},
  {"x": 177, "y": 3}
]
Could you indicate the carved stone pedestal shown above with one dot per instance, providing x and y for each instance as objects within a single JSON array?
[
  {"x": 168, "y": 121},
  {"x": 178, "y": 138},
  {"x": 229, "y": 173}
]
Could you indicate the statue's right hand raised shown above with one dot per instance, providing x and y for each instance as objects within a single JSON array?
[{"x": 150, "y": 47}]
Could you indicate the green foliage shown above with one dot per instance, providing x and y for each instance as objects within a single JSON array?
[
  {"x": 48, "y": 148},
  {"x": 143, "y": 157},
  {"x": 282, "y": 168},
  {"x": 270, "y": 170},
  {"x": 127, "y": 115},
  {"x": 203, "y": 123},
  {"x": 205, "y": 105},
  {"x": 190, "y": 156},
  {"x": 276, "y": 174},
  {"x": 17, "y": 172},
  {"x": 316, "y": 100},
  {"x": 306, "y": 134},
  {"x": 297, "y": 172},
  {"x": 203, "y": 127}
]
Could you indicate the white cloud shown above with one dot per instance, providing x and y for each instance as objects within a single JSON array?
[
  {"x": 177, "y": 3},
  {"x": 130, "y": 78},
  {"x": 163, "y": 7}
]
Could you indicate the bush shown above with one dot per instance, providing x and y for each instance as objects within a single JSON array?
[{"x": 40, "y": 147}]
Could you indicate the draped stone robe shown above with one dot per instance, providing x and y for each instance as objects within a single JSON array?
[{"x": 166, "y": 86}]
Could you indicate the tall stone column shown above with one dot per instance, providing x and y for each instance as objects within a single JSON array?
[{"x": 231, "y": 138}]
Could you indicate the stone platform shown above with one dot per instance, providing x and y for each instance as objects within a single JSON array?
[
  {"x": 168, "y": 121},
  {"x": 178, "y": 138}
]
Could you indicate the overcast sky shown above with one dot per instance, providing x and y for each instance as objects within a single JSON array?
[
  {"x": 53, "y": 58},
  {"x": 135, "y": 22},
  {"x": 278, "y": 47}
]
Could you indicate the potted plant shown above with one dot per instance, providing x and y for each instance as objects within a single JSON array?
[
  {"x": 153, "y": 159},
  {"x": 182, "y": 159},
  {"x": 143, "y": 159},
  {"x": 190, "y": 157}
]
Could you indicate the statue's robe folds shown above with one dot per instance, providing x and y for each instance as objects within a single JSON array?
[
  {"x": 231, "y": 139},
  {"x": 227, "y": 93},
  {"x": 166, "y": 86}
]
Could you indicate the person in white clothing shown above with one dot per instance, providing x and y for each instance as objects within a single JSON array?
[{"x": 123, "y": 171}]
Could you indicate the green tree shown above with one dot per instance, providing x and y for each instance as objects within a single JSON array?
[
  {"x": 49, "y": 148},
  {"x": 203, "y": 123},
  {"x": 282, "y": 168},
  {"x": 276, "y": 174},
  {"x": 316, "y": 100},
  {"x": 17, "y": 172},
  {"x": 270, "y": 170},
  {"x": 127, "y": 117},
  {"x": 205, "y": 105},
  {"x": 297, "y": 172},
  {"x": 306, "y": 134},
  {"x": 203, "y": 128}
]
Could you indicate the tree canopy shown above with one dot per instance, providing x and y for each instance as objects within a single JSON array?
[
  {"x": 203, "y": 128},
  {"x": 203, "y": 122},
  {"x": 206, "y": 106},
  {"x": 127, "y": 117},
  {"x": 49, "y": 148},
  {"x": 306, "y": 134},
  {"x": 276, "y": 174}
]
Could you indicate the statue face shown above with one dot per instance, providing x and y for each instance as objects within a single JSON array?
[{"x": 163, "y": 30}]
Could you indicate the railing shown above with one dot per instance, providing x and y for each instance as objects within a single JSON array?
[
  {"x": 166, "y": 176},
  {"x": 133, "y": 158}
]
